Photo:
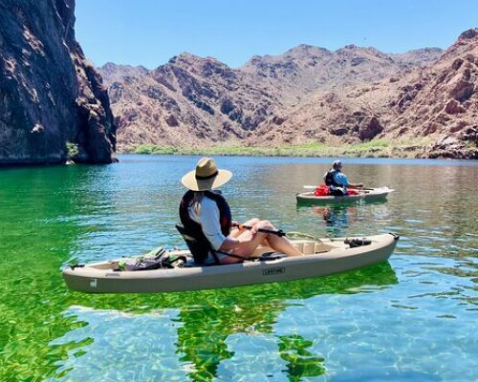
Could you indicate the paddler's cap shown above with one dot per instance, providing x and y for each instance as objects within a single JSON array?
[
  {"x": 337, "y": 164},
  {"x": 206, "y": 176}
]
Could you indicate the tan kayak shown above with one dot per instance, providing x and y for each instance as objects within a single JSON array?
[
  {"x": 367, "y": 195},
  {"x": 321, "y": 258}
]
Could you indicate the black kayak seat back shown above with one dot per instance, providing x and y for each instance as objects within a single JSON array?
[
  {"x": 184, "y": 234},
  {"x": 199, "y": 249}
]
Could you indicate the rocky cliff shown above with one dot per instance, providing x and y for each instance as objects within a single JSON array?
[
  {"x": 441, "y": 101},
  {"x": 53, "y": 104}
]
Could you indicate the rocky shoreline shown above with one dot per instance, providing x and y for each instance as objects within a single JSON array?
[{"x": 449, "y": 150}]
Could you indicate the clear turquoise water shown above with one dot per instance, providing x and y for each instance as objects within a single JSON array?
[{"x": 412, "y": 319}]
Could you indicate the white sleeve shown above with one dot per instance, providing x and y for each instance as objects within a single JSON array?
[{"x": 211, "y": 226}]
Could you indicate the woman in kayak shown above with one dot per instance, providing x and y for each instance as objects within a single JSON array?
[
  {"x": 338, "y": 181},
  {"x": 207, "y": 225}
]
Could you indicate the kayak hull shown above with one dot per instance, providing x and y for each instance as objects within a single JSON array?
[
  {"x": 369, "y": 195},
  {"x": 335, "y": 257}
]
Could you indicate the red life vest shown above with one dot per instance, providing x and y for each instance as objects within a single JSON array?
[
  {"x": 322, "y": 190},
  {"x": 200, "y": 245}
]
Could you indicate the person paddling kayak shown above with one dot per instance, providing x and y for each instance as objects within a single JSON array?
[
  {"x": 338, "y": 181},
  {"x": 207, "y": 224}
]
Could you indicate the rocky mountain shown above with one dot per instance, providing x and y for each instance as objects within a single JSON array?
[
  {"x": 201, "y": 101},
  {"x": 436, "y": 103},
  {"x": 190, "y": 100},
  {"x": 53, "y": 104}
]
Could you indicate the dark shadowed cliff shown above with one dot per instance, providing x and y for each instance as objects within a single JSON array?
[{"x": 52, "y": 101}]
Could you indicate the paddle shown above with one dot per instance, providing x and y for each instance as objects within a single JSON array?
[
  {"x": 279, "y": 232},
  {"x": 310, "y": 187}
]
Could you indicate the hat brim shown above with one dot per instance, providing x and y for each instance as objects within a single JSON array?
[{"x": 192, "y": 183}]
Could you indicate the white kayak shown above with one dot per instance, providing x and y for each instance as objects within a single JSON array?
[
  {"x": 321, "y": 258},
  {"x": 367, "y": 195}
]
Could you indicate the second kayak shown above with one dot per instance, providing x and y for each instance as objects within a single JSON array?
[{"x": 368, "y": 195}]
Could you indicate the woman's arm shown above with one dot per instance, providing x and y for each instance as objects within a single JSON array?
[
  {"x": 209, "y": 216},
  {"x": 342, "y": 179}
]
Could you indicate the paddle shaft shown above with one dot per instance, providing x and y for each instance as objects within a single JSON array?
[
  {"x": 310, "y": 187},
  {"x": 279, "y": 232}
]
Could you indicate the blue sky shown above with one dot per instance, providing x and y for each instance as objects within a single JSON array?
[{"x": 150, "y": 32}]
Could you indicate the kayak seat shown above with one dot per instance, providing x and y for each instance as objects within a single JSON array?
[{"x": 193, "y": 246}]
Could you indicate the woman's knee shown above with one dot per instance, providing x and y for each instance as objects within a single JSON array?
[
  {"x": 265, "y": 224},
  {"x": 252, "y": 222}
]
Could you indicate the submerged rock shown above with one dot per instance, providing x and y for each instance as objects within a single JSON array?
[{"x": 50, "y": 95}]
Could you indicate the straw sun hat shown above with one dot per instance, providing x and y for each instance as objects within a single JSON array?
[{"x": 206, "y": 176}]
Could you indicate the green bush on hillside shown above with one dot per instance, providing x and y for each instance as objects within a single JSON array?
[{"x": 72, "y": 150}]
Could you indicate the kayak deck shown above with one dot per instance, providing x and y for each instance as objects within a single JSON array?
[
  {"x": 368, "y": 195},
  {"x": 321, "y": 258}
]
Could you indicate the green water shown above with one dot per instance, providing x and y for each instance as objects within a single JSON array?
[{"x": 411, "y": 319}]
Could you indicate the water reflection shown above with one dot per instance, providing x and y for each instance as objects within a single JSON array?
[
  {"x": 337, "y": 219},
  {"x": 229, "y": 334}
]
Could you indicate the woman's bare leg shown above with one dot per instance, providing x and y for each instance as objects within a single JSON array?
[
  {"x": 277, "y": 243},
  {"x": 245, "y": 251}
]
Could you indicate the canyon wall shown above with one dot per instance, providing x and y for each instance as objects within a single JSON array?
[{"x": 53, "y": 105}]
